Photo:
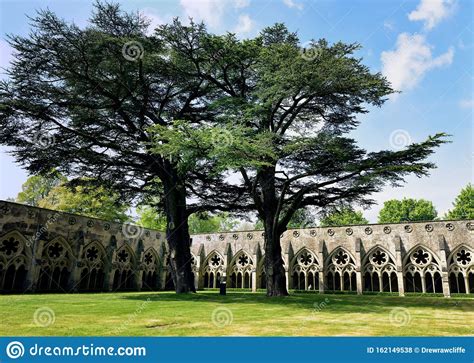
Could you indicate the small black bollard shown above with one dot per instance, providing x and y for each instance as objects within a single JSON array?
[{"x": 223, "y": 287}]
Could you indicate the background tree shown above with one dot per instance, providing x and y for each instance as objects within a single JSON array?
[
  {"x": 53, "y": 192},
  {"x": 343, "y": 217},
  {"x": 292, "y": 109},
  {"x": 407, "y": 209},
  {"x": 37, "y": 187},
  {"x": 94, "y": 202},
  {"x": 199, "y": 222},
  {"x": 463, "y": 206}
]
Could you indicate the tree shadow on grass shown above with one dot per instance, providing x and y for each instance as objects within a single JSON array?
[{"x": 342, "y": 303}]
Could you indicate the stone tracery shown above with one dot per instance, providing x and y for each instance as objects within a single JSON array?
[
  {"x": 341, "y": 271},
  {"x": 422, "y": 271},
  {"x": 15, "y": 259},
  {"x": 305, "y": 273},
  {"x": 461, "y": 270},
  {"x": 240, "y": 270},
  {"x": 213, "y": 269},
  {"x": 92, "y": 264},
  {"x": 379, "y": 271}
]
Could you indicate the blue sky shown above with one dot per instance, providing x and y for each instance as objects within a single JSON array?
[{"x": 424, "y": 47}]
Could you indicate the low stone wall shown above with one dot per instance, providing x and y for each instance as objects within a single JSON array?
[{"x": 44, "y": 250}]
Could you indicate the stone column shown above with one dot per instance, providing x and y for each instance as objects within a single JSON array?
[
  {"x": 139, "y": 279},
  {"x": 197, "y": 274},
  {"x": 322, "y": 278},
  {"x": 254, "y": 280},
  {"x": 286, "y": 259},
  {"x": 110, "y": 272},
  {"x": 444, "y": 266},
  {"x": 254, "y": 270},
  {"x": 32, "y": 274},
  {"x": 321, "y": 282},
  {"x": 358, "y": 262},
  {"x": 399, "y": 264},
  {"x": 139, "y": 270},
  {"x": 75, "y": 277}
]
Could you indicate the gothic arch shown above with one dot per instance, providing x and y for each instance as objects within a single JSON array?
[
  {"x": 123, "y": 268},
  {"x": 305, "y": 269},
  {"x": 150, "y": 268},
  {"x": 212, "y": 269},
  {"x": 461, "y": 270},
  {"x": 93, "y": 264},
  {"x": 379, "y": 270},
  {"x": 422, "y": 271},
  {"x": 57, "y": 261},
  {"x": 341, "y": 270},
  {"x": 240, "y": 270},
  {"x": 15, "y": 261}
]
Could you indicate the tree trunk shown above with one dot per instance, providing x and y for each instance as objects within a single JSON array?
[
  {"x": 177, "y": 234},
  {"x": 274, "y": 266}
]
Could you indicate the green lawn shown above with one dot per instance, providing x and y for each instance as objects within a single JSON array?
[{"x": 239, "y": 313}]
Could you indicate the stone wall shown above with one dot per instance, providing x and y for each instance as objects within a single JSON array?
[{"x": 43, "y": 250}]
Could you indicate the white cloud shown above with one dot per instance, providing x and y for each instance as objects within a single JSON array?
[
  {"x": 210, "y": 12},
  {"x": 292, "y": 4},
  {"x": 244, "y": 25},
  {"x": 431, "y": 12},
  {"x": 388, "y": 25},
  {"x": 155, "y": 19},
  {"x": 407, "y": 64},
  {"x": 239, "y": 4},
  {"x": 469, "y": 103}
]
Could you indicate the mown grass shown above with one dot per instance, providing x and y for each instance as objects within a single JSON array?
[{"x": 237, "y": 314}]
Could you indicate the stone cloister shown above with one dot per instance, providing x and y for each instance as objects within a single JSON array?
[{"x": 47, "y": 251}]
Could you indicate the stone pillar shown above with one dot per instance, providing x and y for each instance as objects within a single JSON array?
[
  {"x": 75, "y": 277},
  {"x": 110, "y": 272},
  {"x": 32, "y": 274},
  {"x": 358, "y": 263},
  {"x": 197, "y": 273},
  {"x": 321, "y": 282},
  {"x": 227, "y": 259},
  {"x": 254, "y": 280},
  {"x": 286, "y": 259},
  {"x": 254, "y": 270},
  {"x": 399, "y": 264},
  {"x": 444, "y": 266},
  {"x": 196, "y": 280},
  {"x": 139, "y": 280},
  {"x": 109, "y": 280},
  {"x": 139, "y": 270},
  {"x": 322, "y": 277}
]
